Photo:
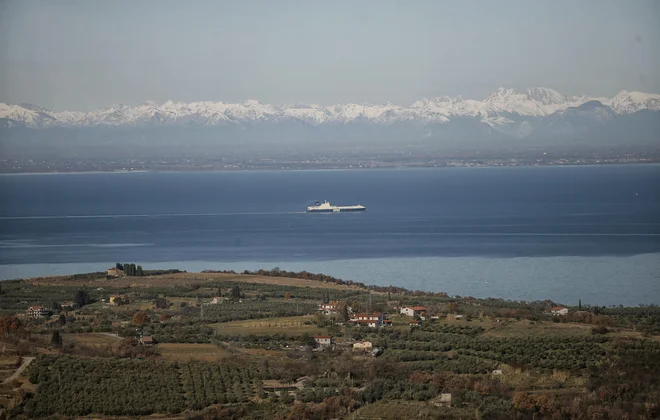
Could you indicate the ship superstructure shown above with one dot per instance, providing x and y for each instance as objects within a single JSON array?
[{"x": 326, "y": 207}]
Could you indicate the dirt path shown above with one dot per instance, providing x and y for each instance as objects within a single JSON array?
[
  {"x": 26, "y": 363},
  {"x": 110, "y": 335}
]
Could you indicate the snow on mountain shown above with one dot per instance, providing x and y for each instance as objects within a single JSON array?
[
  {"x": 536, "y": 102},
  {"x": 25, "y": 115},
  {"x": 506, "y": 110},
  {"x": 629, "y": 102}
]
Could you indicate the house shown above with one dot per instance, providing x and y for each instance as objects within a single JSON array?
[
  {"x": 329, "y": 308},
  {"x": 277, "y": 387},
  {"x": 417, "y": 323},
  {"x": 146, "y": 340},
  {"x": 374, "y": 320},
  {"x": 217, "y": 299},
  {"x": 323, "y": 340},
  {"x": 118, "y": 300},
  {"x": 363, "y": 346},
  {"x": 115, "y": 272},
  {"x": 413, "y": 310},
  {"x": 67, "y": 305},
  {"x": 37, "y": 312},
  {"x": 497, "y": 372},
  {"x": 558, "y": 310},
  {"x": 444, "y": 400}
]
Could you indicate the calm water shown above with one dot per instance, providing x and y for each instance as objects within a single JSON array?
[{"x": 524, "y": 233}]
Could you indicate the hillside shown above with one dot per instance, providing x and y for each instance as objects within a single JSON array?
[{"x": 228, "y": 345}]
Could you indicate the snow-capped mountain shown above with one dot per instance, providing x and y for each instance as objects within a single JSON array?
[
  {"x": 629, "y": 102},
  {"x": 506, "y": 110}
]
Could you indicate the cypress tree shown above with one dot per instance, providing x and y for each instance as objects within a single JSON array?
[
  {"x": 56, "y": 339},
  {"x": 235, "y": 292}
]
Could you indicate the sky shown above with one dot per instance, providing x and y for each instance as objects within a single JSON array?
[{"x": 81, "y": 55}]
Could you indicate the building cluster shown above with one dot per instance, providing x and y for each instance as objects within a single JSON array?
[{"x": 375, "y": 319}]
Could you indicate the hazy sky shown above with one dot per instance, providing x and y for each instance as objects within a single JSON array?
[{"x": 80, "y": 55}]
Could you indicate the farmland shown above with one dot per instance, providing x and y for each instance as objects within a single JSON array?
[
  {"x": 293, "y": 325},
  {"x": 192, "y": 352},
  {"x": 242, "y": 345}
]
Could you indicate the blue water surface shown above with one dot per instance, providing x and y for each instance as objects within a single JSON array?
[{"x": 535, "y": 232}]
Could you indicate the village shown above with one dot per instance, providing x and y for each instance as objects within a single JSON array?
[{"x": 285, "y": 342}]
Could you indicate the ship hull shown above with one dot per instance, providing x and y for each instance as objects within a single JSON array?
[{"x": 338, "y": 210}]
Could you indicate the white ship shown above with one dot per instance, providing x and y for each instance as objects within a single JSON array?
[{"x": 326, "y": 207}]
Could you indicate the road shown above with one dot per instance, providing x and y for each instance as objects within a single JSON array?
[{"x": 26, "y": 363}]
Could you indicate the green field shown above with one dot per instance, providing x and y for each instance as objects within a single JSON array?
[{"x": 292, "y": 325}]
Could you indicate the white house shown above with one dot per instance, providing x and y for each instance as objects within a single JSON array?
[
  {"x": 374, "y": 320},
  {"x": 413, "y": 310},
  {"x": 558, "y": 310},
  {"x": 323, "y": 340},
  {"x": 329, "y": 308},
  {"x": 363, "y": 346},
  {"x": 36, "y": 312}
]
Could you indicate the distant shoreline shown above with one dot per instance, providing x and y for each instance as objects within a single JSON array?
[{"x": 338, "y": 168}]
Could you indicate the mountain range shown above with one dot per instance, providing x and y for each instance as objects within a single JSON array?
[
  {"x": 495, "y": 110},
  {"x": 536, "y": 116}
]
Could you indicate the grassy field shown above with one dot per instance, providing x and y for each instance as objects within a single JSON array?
[
  {"x": 186, "y": 352},
  {"x": 292, "y": 325},
  {"x": 7, "y": 366},
  {"x": 187, "y": 279},
  {"x": 403, "y": 410},
  {"x": 90, "y": 339},
  {"x": 525, "y": 328}
]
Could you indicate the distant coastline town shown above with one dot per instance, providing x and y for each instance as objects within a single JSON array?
[{"x": 380, "y": 161}]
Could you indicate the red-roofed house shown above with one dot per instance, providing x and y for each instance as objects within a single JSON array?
[
  {"x": 146, "y": 340},
  {"x": 558, "y": 310},
  {"x": 374, "y": 320}
]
